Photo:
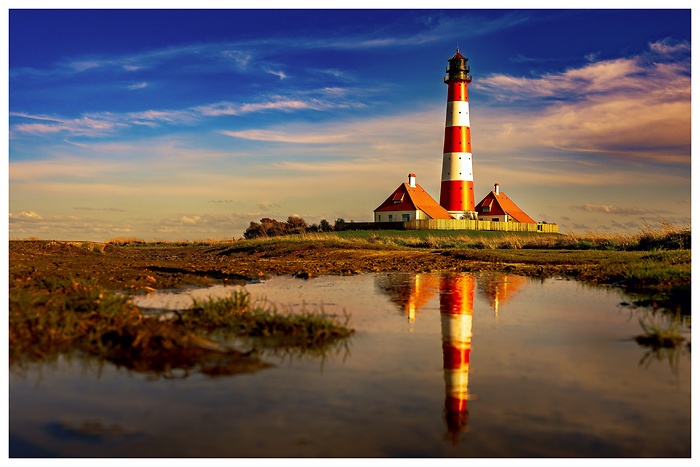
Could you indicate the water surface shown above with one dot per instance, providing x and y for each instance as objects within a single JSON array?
[{"x": 464, "y": 365}]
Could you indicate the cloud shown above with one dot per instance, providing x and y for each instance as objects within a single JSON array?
[
  {"x": 24, "y": 215},
  {"x": 241, "y": 59},
  {"x": 140, "y": 85},
  {"x": 668, "y": 46},
  {"x": 275, "y": 136},
  {"x": 279, "y": 74},
  {"x": 413, "y": 30},
  {"x": 87, "y": 125},
  {"x": 85, "y": 208},
  {"x": 190, "y": 219},
  {"x": 268, "y": 207},
  {"x": 608, "y": 209},
  {"x": 623, "y": 109},
  {"x": 63, "y": 167},
  {"x": 97, "y": 125}
]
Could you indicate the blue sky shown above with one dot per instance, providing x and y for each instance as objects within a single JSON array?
[{"x": 189, "y": 124}]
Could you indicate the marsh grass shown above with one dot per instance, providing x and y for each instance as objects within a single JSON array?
[
  {"x": 660, "y": 331},
  {"x": 663, "y": 337},
  {"x": 71, "y": 316},
  {"x": 237, "y": 314},
  {"x": 664, "y": 237}
]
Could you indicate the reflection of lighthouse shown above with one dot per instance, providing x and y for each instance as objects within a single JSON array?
[{"x": 456, "y": 307}]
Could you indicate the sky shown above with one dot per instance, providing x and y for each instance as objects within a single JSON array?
[{"x": 189, "y": 124}]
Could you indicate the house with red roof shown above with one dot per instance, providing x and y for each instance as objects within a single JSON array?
[
  {"x": 497, "y": 207},
  {"x": 409, "y": 202}
]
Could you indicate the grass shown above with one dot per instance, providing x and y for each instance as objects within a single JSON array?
[
  {"x": 666, "y": 236},
  {"x": 236, "y": 313},
  {"x": 662, "y": 332},
  {"x": 72, "y": 316}
]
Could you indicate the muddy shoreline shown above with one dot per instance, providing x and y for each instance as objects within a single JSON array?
[{"x": 36, "y": 263}]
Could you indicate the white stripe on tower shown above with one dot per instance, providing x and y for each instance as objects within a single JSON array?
[{"x": 457, "y": 185}]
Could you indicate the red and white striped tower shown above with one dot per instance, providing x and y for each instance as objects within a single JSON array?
[
  {"x": 457, "y": 187},
  {"x": 456, "y": 308}
]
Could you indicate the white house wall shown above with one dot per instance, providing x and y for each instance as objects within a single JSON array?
[
  {"x": 397, "y": 216},
  {"x": 487, "y": 217}
]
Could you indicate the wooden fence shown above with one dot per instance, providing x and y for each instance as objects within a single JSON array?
[{"x": 451, "y": 224}]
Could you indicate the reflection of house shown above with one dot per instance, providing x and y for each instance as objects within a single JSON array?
[
  {"x": 409, "y": 202},
  {"x": 412, "y": 293},
  {"x": 497, "y": 207},
  {"x": 499, "y": 288}
]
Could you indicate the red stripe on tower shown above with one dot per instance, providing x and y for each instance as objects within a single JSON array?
[{"x": 457, "y": 186}]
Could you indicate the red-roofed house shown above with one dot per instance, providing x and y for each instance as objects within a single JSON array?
[
  {"x": 409, "y": 202},
  {"x": 496, "y": 206}
]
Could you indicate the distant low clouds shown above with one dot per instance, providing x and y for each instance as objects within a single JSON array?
[
  {"x": 27, "y": 224},
  {"x": 268, "y": 207},
  {"x": 609, "y": 209},
  {"x": 186, "y": 226},
  {"x": 24, "y": 215},
  {"x": 85, "y": 208}
]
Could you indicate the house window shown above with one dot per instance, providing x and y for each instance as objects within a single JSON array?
[
  {"x": 405, "y": 217},
  {"x": 379, "y": 217},
  {"x": 495, "y": 219},
  {"x": 486, "y": 209},
  {"x": 391, "y": 217}
]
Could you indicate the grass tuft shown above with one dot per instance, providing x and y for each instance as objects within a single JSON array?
[
  {"x": 235, "y": 313},
  {"x": 69, "y": 316}
]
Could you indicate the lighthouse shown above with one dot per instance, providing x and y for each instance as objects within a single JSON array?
[{"x": 457, "y": 185}]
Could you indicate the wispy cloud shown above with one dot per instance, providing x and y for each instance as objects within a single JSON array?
[
  {"x": 614, "y": 210},
  {"x": 86, "y": 125},
  {"x": 625, "y": 108},
  {"x": 286, "y": 136},
  {"x": 253, "y": 55},
  {"x": 278, "y": 73},
  {"x": 140, "y": 85},
  {"x": 108, "y": 123}
]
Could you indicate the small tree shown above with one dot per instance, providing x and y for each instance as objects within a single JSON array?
[
  {"x": 295, "y": 225},
  {"x": 324, "y": 226}
]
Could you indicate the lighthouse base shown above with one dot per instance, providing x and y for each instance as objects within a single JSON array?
[{"x": 467, "y": 215}]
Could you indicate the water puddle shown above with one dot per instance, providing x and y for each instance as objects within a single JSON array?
[{"x": 486, "y": 365}]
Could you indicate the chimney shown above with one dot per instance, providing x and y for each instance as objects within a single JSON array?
[
  {"x": 412, "y": 180},
  {"x": 496, "y": 189}
]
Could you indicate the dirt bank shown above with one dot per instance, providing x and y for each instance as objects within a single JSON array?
[{"x": 164, "y": 266}]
